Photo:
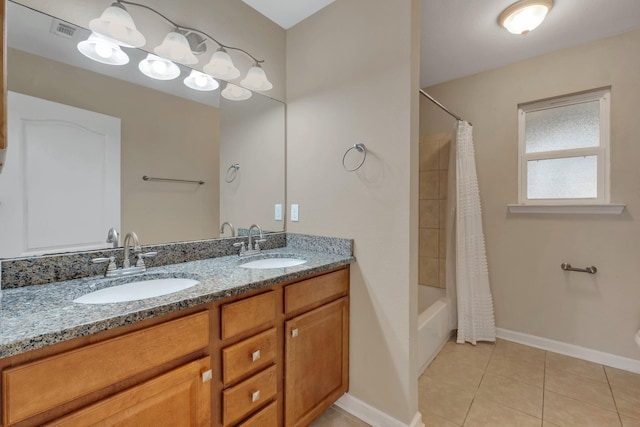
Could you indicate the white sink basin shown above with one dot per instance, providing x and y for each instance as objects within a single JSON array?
[
  {"x": 273, "y": 263},
  {"x": 136, "y": 291}
]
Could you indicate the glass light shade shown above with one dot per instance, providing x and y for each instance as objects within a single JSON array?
[
  {"x": 256, "y": 79},
  {"x": 221, "y": 67},
  {"x": 102, "y": 49},
  {"x": 158, "y": 68},
  {"x": 175, "y": 47},
  {"x": 116, "y": 23},
  {"x": 525, "y": 15},
  {"x": 235, "y": 93},
  {"x": 201, "y": 81}
]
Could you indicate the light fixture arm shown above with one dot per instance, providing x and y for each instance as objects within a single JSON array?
[{"x": 194, "y": 30}]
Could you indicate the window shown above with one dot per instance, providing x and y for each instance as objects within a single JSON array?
[{"x": 564, "y": 150}]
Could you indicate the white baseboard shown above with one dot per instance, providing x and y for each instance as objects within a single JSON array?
[
  {"x": 374, "y": 416},
  {"x": 624, "y": 363}
]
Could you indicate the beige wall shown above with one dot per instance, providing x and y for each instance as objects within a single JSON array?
[
  {"x": 252, "y": 135},
  {"x": 232, "y": 22},
  {"x": 340, "y": 92},
  {"x": 531, "y": 293},
  {"x": 162, "y": 135}
]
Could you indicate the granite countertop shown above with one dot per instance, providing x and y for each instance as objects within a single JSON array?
[{"x": 36, "y": 316}]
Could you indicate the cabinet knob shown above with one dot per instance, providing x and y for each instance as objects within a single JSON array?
[
  {"x": 255, "y": 396},
  {"x": 294, "y": 332},
  {"x": 255, "y": 356},
  {"x": 207, "y": 376}
]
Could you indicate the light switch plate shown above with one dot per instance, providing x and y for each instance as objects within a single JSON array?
[
  {"x": 294, "y": 212},
  {"x": 278, "y": 212}
]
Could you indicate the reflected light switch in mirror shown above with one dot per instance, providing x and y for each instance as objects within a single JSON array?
[
  {"x": 294, "y": 212},
  {"x": 278, "y": 212}
]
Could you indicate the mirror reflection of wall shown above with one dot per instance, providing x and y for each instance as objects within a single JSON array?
[{"x": 163, "y": 135}]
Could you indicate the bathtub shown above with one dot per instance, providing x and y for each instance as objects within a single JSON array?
[{"x": 433, "y": 332}]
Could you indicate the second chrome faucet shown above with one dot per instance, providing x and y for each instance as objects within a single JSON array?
[{"x": 252, "y": 247}]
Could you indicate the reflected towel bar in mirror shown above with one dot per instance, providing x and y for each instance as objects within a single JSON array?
[
  {"x": 567, "y": 267},
  {"x": 187, "y": 181}
]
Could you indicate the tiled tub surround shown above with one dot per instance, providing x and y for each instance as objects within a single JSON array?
[{"x": 33, "y": 317}]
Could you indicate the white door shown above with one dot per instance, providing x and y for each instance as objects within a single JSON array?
[{"x": 60, "y": 187}]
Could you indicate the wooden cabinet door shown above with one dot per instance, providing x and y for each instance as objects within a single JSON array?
[
  {"x": 178, "y": 398},
  {"x": 316, "y": 361}
]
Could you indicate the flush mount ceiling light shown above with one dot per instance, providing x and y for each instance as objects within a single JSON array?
[
  {"x": 235, "y": 93},
  {"x": 181, "y": 45},
  {"x": 158, "y": 68},
  {"x": 103, "y": 49},
  {"x": 524, "y": 15},
  {"x": 201, "y": 81}
]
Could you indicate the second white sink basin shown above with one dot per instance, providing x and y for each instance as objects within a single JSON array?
[
  {"x": 273, "y": 263},
  {"x": 136, "y": 291}
]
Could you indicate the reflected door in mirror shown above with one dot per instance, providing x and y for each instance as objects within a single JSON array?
[{"x": 61, "y": 188}]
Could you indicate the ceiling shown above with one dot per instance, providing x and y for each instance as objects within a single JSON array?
[
  {"x": 462, "y": 37},
  {"x": 288, "y": 13}
]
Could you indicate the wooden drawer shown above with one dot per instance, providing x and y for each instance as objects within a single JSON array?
[
  {"x": 67, "y": 376},
  {"x": 248, "y": 356},
  {"x": 312, "y": 292},
  {"x": 242, "y": 316},
  {"x": 246, "y": 397},
  {"x": 267, "y": 417},
  {"x": 177, "y": 398}
]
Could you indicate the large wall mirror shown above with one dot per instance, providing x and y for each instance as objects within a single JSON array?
[{"x": 233, "y": 150}]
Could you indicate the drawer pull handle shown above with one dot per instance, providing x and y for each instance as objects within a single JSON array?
[
  {"x": 294, "y": 333},
  {"x": 255, "y": 396},
  {"x": 207, "y": 376},
  {"x": 255, "y": 356}
]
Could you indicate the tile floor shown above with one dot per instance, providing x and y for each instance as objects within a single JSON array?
[
  {"x": 513, "y": 385},
  {"x": 509, "y": 384}
]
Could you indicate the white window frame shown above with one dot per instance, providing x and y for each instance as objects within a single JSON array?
[{"x": 602, "y": 95}]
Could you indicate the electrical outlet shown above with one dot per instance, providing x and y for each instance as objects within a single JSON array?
[
  {"x": 294, "y": 212},
  {"x": 278, "y": 212}
]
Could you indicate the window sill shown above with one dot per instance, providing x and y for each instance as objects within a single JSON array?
[{"x": 604, "y": 209}]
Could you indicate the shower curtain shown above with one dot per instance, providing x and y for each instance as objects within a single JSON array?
[{"x": 467, "y": 275}]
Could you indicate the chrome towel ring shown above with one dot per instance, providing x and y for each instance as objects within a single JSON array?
[
  {"x": 360, "y": 148},
  {"x": 232, "y": 172}
]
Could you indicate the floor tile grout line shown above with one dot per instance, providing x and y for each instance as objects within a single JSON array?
[
  {"x": 615, "y": 403},
  {"x": 544, "y": 384}
]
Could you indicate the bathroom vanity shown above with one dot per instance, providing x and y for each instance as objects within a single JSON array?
[{"x": 264, "y": 348}]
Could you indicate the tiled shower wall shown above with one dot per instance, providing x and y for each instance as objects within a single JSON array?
[{"x": 434, "y": 164}]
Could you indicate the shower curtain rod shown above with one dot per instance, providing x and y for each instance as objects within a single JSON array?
[{"x": 445, "y": 109}]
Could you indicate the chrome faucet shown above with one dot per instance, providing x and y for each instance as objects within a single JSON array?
[
  {"x": 127, "y": 269},
  {"x": 113, "y": 237},
  {"x": 136, "y": 248},
  {"x": 233, "y": 230},
  {"x": 250, "y": 244},
  {"x": 250, "y": 249}
]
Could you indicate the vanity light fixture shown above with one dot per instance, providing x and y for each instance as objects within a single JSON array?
[
  {"x": 179, "y": 46},
  {"x": 103, "y": 49},
  {"x": 116, "y": 23},
  {"x": 235, "y": 93},
  {"x": 221, "y": 66},
  {"x": 175, "y": 47},
  {"x": 256, "y": 79},
  {"x": 158, "y": 68},
  {"x": 524, "y": 15},
  {"x": 200, "y": 81}
]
